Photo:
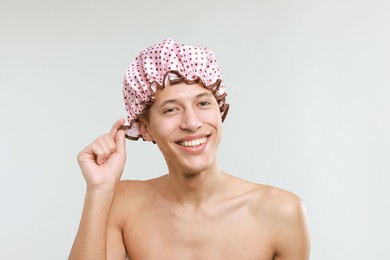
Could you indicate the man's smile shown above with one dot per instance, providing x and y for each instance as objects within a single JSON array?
[{"x": 194, "y": 142}]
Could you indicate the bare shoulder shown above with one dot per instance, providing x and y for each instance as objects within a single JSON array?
[
  {"x": 284, "y": 215},
  {"x": 127, "y": 187},
  {"x": 281, "y": 215},
  {"x": 134, "y": 191},
  {"x": 278, "y": 201},
  {"x": 130, "y": 197},
  {"x": 269, "y": 198}
]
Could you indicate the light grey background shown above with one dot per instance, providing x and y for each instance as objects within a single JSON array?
[{"x": 308, "y": 84}]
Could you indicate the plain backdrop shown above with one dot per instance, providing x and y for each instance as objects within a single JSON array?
[{"x": 308, "y": 84}]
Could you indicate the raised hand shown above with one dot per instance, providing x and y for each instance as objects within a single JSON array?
[{"x": 103, "y": 161}]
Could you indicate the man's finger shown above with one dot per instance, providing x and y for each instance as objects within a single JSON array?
[
  {"x": 115, "y": 127},
  {"x": 120, "y": 141}
]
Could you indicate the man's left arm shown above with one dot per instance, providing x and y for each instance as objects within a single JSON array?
[{"x": 293, "y": 239}]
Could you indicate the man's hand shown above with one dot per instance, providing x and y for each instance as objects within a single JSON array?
[{"x": 103, "y": 161}]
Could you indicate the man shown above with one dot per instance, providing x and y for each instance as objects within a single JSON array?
[{"x": 175, "y": 97}]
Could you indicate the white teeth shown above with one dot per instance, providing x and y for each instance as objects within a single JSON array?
[{"x": 195, "y": 142}]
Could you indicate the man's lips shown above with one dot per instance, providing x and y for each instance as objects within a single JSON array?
[{"x": 192, "y": 141}]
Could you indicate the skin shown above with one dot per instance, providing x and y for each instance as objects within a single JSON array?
[{"x": 196, "y": 211}]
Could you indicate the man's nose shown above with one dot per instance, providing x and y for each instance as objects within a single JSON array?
[{"x": 190, "y": 120}]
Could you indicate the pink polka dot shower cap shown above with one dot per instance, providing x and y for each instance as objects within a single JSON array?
[{"x": 166, "y": 63}]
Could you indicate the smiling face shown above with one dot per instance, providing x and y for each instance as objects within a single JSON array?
[{"x": 185, "y": 122}]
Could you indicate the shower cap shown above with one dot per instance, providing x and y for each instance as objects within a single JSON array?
[{"x": 167, "y": 63}]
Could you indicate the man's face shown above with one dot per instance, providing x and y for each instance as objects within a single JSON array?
[{"x": 186, "y": 124}]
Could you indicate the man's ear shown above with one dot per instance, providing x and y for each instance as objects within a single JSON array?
[{"x": 144, "y": 130}]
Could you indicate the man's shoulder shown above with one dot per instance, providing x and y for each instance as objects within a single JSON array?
[
  {"x": 285, "y": 216},
  {"x": 276, "y": 196},
  {"x": 129, "y": 186},
  {"x": 266, "y": 198},
  {"x": 132, "y": 187},
  {"x": 134, "y": 193},
  {"x": 275, "y": 201}
]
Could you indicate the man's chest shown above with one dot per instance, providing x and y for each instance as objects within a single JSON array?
[{"x": 233, "y": 236}]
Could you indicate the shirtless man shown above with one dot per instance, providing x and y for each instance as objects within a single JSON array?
[{"x": 195, "y": 211}]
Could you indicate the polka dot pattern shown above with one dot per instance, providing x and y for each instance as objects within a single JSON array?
[{"x": 171, "y": 62}]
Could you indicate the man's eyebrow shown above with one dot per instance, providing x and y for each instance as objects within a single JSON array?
[
  {"x": 173, "y": 100},
  {"x": 204, "y": 94},
  {"x": 168, "y": 101}
]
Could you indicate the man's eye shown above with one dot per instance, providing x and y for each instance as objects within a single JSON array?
[
  {"x": 168, "y": 110},
  {"x": 204, "y": 103}
]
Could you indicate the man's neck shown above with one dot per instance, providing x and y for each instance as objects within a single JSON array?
[{"x": 195, "y": 189}]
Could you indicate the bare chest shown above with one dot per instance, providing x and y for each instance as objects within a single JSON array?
[{"x": 224, "y": 234}]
